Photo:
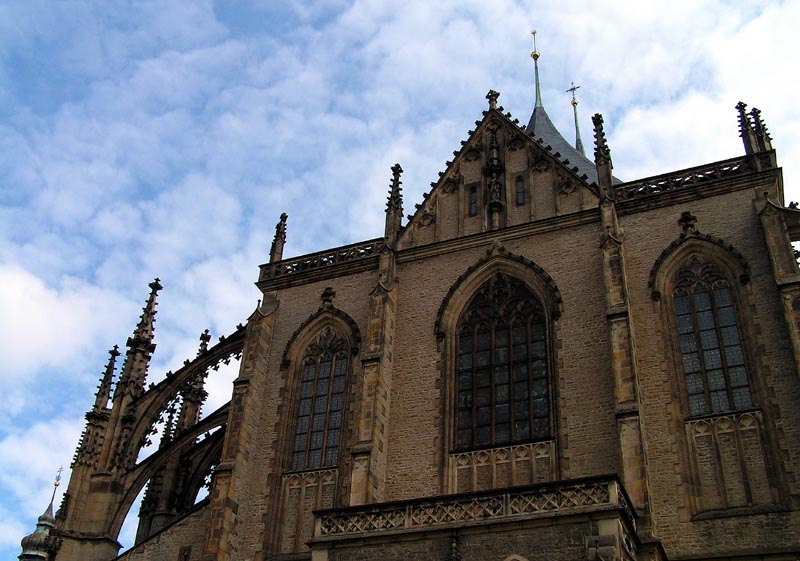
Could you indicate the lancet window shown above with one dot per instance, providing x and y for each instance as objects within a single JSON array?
[
  {"x": 473, "y": 200},
  {"x": 319, "y": 411},
  {"x": 503, "y": 378},
  {"x": 519, "y": 187},
  {"x": 710, "y": 342}
]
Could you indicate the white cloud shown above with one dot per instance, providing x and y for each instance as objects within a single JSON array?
[
  {"x": 163, "y": 141},
  {"x": 29, "y": 459},
  {"x": 45, "y": 326}
]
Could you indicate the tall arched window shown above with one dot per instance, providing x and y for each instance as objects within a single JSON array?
[
  {"x": 710, "y": 343},
  {"x": 319, "y": 411},
  {"x": 503, "y": 386}
]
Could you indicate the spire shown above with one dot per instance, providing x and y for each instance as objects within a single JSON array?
[
  {"x": 276, "y": 251},
  {"x": 602, "y": 158},
  {"x": 104, "y": 389},
  {"x": 746, "y": 129},
  {"x": 140, "y": 348},
  {"x": 578, "y": 142},
  {"x": 39, "y": 545},
  {"x": 535, "y": 57},
  {"x": 144, "y": 331},
  {"x": 763, "y": 138},
  {"x": 169, "y": 426},
  {"x": 394, "y": 206},
  {"x": 541, "y": 128}
]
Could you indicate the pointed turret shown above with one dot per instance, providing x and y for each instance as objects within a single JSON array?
[
  {"x": 541, "y": 127},
  {"x": 40, "y": 545},
  {"x": 763, "y": 139},
  {"x": 602, "y": 159},
  {"x": 746, "y": 129},
  {"x": 140, "y": 349},
  {"x": 276, "y": 251},
  {"x": 193, "y": 393},
  {"x": 104, "y": 389},
  {"x": 394, "y": 206}
]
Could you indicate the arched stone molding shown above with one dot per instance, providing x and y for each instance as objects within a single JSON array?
[
  {"x": 724, "y": 255},
  {"x": 497, "y": 260},
  {"x": 327, "y": 315},
  {"x": 515, "y": 557}
]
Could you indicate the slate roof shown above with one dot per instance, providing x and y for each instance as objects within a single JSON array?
[{"x": 540, "y": 126}]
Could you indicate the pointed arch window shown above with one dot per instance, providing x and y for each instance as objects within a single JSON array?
[
  {"x": 503, "y": 378},
  {"x": 710, "y": 341},
  {"x": 319, "y": 412}
]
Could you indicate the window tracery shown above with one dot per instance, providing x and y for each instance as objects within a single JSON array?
[
  {"x": 320, "y": 407},
  {"x": 710, "y": 343},
  {"x": 503, "y": 393}
]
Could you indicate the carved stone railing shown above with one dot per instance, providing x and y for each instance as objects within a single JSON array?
[
  {"x": 517, "y": 503},
  {"x": 520, "y": 464},
  {"x": 314, "y": 261},
  {"x": 684, "y": 179}
]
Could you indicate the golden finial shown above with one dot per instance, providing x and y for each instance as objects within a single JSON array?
[{"x": 535, "y": 53}]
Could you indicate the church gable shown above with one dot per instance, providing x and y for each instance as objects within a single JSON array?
[{"x": 500, "y": 177}]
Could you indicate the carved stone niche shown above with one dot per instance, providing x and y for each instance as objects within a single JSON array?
[
  {"x": 472, "y": 155},
  {"x": 516, "y": 144},
  {"x": 566, "y": 187},
  {"x": 450, "y": 185}
]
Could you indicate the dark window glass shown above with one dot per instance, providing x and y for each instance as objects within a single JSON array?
[
  {"x": 319, "y": 412},
  {"x": 709, "y": 341},
  {"x": 519, "y": 187},
  {"x": 473, "y": 200},
  {"x": 503, "y": 390}
]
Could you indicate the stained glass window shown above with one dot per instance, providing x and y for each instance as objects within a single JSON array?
[
  {"x": 710, "y": 344},
  {"x": 319, "y": 412},
  {"x": 503, "y": 393}
]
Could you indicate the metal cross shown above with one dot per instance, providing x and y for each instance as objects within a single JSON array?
[
  {"x": 58, "y": 475},
  {"x": 533, "y": 32},
  {"x": 572, "y": 88}
]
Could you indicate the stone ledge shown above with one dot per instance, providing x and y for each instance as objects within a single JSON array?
[{"x": 562, "y": 498}]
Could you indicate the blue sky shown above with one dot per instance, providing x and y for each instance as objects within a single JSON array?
[{"x": 165, "y": 138}]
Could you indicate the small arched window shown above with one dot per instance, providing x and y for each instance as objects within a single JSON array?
[
  {"x": 709, "y": 339},
  {"x": 503, "y": 381},
  {"x": 519, "y": 187},
  {"x": 473, "y": 200},
  {"x": 319, "y": 411}
]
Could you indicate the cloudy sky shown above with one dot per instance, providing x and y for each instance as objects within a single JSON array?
[{"x": 144, "y": 139}]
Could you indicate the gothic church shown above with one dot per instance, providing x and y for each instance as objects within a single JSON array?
[{"x": 543, "y": 362}]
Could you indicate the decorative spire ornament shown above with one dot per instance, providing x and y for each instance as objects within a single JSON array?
[
  {"x": 140, "y": 348},
  {"x": 602, "y": 158},
  {"x": 578, "y": 142},
  {"x": 535, "y": 56},
  {"x": 104, "y": 389},
  {"x": 394, "y": 206},
  {"x": 276, "y": 251}
]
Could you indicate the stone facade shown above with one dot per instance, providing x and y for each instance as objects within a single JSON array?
[{"x": 640, "y": 341}]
